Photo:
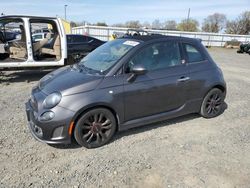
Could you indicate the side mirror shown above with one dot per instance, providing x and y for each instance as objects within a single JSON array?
[{"x": 136, "y": 70}]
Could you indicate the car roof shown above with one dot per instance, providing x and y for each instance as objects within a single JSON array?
[
  {"x": 25, "y": 16},
  {"x": 150, "y": 37},
  {"x": 74, "y": 35}
]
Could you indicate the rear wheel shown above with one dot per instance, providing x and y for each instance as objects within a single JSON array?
[
  {"x": 212, "y": 104},
  {"x": 239, "y": 51},
  {"x": 95, "y": 128}
]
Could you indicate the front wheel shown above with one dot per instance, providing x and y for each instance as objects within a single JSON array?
[
  {"x": 95, "y": 128},
  {"x": 212, "y": 104}
]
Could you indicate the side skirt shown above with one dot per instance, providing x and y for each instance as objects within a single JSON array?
[{"x": 188, "y": 108}]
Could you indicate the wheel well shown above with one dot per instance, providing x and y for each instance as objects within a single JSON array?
[
  {"x": 222, "y": 88},
  {"x": 75, "y": 119}
]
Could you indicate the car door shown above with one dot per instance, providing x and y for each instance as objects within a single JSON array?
[
  {"x": 162, "y": 88},
  {"x": 77, "y": 44},
  {"x": 83, "y": 45},
  {"x": 198, "y": 70},
  {"x": 70, "y": 44}
]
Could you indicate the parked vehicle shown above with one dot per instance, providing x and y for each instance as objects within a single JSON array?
[
  {"x": 38, "y": 37},
  {"x": 42, "y": 30},
  {"x": 80, "y": 45},
  {"x": 125, "y": 83},
  {"x": 244, "y": 48},
  {"x": 9, "y": 36},
  {"x": 24, "y": 52}
]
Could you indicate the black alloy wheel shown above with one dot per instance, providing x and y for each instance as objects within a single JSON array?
[
  {"x": 95, "y": 128},
  {"x": 212, "y": 104}
]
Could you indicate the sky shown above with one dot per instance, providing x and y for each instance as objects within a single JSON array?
[{"x": 120, "y": 11}]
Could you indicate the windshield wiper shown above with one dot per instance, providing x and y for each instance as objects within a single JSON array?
[{"x": 82, "y": 67}]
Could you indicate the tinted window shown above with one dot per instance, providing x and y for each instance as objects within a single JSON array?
[
  {"x": 90, "y": 39},
  {"x": 193, "y": 53},
  {"x": 158, "y": 56},
  {"x": 79, "y": 38},
  {"x": 76, "y": 38},
  {"x": 69, "y": 39}
]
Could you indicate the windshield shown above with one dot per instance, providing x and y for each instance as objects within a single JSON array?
[{"x": 105, "y": 56}]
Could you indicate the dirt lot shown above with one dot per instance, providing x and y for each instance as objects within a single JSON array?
[{"x": 185, "y": 152}]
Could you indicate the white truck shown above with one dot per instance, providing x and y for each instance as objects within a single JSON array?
[{"x": 18, "y": 50}]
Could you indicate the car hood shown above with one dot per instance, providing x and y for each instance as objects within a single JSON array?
[{"x": 68, "y": 80}]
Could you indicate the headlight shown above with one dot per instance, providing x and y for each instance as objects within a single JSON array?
[{"x": 52, "y": 100}]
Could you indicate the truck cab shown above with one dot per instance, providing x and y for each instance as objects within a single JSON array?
[{"x": 19, "y": 48}]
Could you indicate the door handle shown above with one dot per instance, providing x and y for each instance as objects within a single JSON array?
[{"x": 183, "y": 79}]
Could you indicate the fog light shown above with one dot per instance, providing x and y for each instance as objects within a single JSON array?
[
  {"x": 46, "y": 116},
  {"x": 37, "y": 130}
]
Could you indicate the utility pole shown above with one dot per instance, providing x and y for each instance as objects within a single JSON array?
[
  {"x": 188, "y": 18},
  {"x": 65, "y": 12}
]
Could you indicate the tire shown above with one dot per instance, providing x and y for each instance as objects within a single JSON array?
[
  {"x": 95, "y": 128},
  {"x": 70, "y": 60},
  {"x": 212, "y": 104},
  {"x": 245, "y": 49}
]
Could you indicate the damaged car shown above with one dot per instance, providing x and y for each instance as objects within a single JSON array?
[{"x": 125, "y": 83}]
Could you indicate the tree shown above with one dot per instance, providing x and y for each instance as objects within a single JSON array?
[
  {"x": 240, "y": 25},
  {"x": 146, "y": 25},
  {"x": 118, "y": 25},
  {"x": 156, "y": 24},
  {"x": 188, "y": 25},
  {"x": 101, "y": 24},
  {"x": 245, "y": 23},
  {"x": 73, "y": 24},
  {"x": 170, "y": 25},
  {"x": 214, "y": 23},
  {"x": 133, "y": 24},
  {"x": 82, "y": 23},
  {"x": 233, "y": 27}
]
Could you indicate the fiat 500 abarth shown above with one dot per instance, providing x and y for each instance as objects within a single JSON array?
[{"x": 127, "y": 82}]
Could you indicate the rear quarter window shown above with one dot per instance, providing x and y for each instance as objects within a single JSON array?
[
  {"x": 193, "y": 53},
  {"x": 76, "y": 38},
  {"x": 80, "y": 38},
  {"x": 69, "y": 39}
]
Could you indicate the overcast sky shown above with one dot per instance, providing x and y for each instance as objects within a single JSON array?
[{"x": 117, "y": 11}]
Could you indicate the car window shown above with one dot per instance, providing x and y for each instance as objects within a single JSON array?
[
  {"x": 90, "y": 39},
  {"x": 104, "y": 57},
  {"x": 69, "y": 39},
  {"x": 76, "y": 38},
  {"x": 80, "y": 38},
  {"x": 193, "y": 54},
  {"x": 157, "y": 56},
  {"x": 35, "y": 37}
]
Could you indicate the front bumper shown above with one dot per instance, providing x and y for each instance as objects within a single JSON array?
[{"x": 54, "y": 131}]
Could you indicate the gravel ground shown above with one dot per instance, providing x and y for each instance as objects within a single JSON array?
[{"x": 184, "y": 152}]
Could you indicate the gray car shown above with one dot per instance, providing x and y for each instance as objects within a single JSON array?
[{"x": 125, "y": 83}]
